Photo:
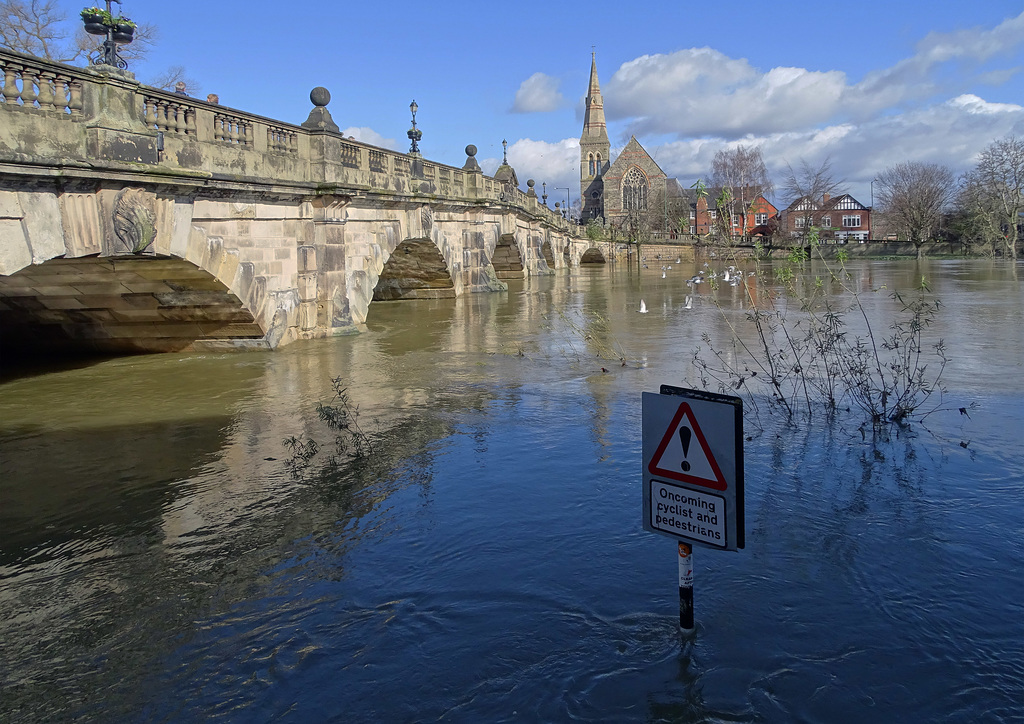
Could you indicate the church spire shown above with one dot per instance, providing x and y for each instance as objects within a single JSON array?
[
  {"x": 594, "y": 148},
  {"x": 593, "y": 119}
]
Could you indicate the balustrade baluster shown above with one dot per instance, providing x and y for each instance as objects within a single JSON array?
[
  {"x": 218, "y": 127},
  {"x": 233, "y": 129},
  {"x": 46, "y": 92},
  {"x": 149, "y": 112},
  {"x": 270, "y": 138},
  {"x": 28, "y": 90},
  {"x": 75, "y": 104},
  {"x": 162, "y": 116},
  {"x": 179, "y": 119},
  {"x": 190, "y": 122},
  {"x": 11, "y": 92},
  {"x": 60, "y": 95}
]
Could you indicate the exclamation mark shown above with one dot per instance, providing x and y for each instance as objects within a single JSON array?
[{"x": 684, "y": 437}]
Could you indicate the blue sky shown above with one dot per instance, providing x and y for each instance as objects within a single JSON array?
[{"x": 866, "y": 84}]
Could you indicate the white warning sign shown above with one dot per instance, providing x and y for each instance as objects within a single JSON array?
[
  {"x": 684, "y": 454},
  {"x": 693, "y": 466}
]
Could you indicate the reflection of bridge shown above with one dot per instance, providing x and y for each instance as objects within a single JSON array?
[{"x": 139, "y": 220}]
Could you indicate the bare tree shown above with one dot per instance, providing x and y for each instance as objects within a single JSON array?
[
  {"x": 171, "y": 77},
  {"x": 808, "y": 186},
  {"x": 992, "y": 194},
  {"x": 743, "y": 172},
  {"x": 36, "y": 27},
  {"x": 41, "y": 28},
  {"x": 913, "y": 196}
]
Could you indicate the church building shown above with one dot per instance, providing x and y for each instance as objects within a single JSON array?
[{"x": 610, "y": 190}]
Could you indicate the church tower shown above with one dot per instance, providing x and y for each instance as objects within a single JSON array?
[{"x": 594, "y": 149}]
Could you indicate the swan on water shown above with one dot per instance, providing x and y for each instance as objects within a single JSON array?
[{"x": 643, "y": 307}]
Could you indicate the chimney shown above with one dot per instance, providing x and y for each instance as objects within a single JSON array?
[{"x": 825, "y": 198}]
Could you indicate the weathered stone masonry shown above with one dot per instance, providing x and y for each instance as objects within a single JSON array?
[{"x": 137, "y": 220}]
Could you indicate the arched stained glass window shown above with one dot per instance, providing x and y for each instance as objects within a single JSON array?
[
  {"x": 634, "y": 190},
  {"x": 598, "y": 164},
  {"x": 591, "y": 158}
]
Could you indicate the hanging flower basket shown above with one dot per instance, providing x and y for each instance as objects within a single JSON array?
[
  {"x": 96, "y": 21},
  {"x": 124, "y": 30},
  {"x": 124, "y": 34}
]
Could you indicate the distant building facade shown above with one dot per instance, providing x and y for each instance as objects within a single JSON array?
[{"x": 842, "y": 218}]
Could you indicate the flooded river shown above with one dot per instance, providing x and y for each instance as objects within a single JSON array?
[{"x": 164, "y": 556}]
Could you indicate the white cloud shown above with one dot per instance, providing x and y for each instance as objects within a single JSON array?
[
  {"x": 538, "y": 94},
  {"x": 702, "y": 92},
  {"x": 368, "y": 135},
  {"x": 952, "y": 133},
  {"x": 557, "y": 164}
]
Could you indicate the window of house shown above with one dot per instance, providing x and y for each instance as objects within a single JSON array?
[
  {"x": 693, "y": 229},
  {"x": 799, "y": 222},
  {"x": 735, "y": 221},
  {"x": 713, "y": 214},
  {"x": 693, "y": 214},
  {"x": 853, "y": 220},
  {"x": 760, "y": 219},
  {"x": 634, "y": 190},
  {"x": 826, "y": 222}
]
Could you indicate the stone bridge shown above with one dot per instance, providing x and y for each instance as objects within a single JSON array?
[{"x": 136, "y": 220}]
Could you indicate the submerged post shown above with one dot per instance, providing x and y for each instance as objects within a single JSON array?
[{"x": 685, "y": 586}]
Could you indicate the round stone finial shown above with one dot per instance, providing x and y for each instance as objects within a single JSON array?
[
  {"x": 471, "y": 150},
  {"x": 530, "y": 182},
  {"x": 320, "y": 96}
]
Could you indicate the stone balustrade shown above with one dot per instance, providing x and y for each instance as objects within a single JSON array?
[
  {"x": 31, "y": 84},
  {"x": 115, "y": 119}
]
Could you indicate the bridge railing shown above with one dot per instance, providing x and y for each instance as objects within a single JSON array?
[
  {"x": 57, "y": 113},
  {"x": 33, "y": 84}
]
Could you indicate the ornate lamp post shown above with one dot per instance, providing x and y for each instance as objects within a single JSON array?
[
  {"x": 568, "y": 210},
  {"x": 118, "y": 31},
  {"x": 544, "y": 185},
  {"x": 414, "y": 133}
]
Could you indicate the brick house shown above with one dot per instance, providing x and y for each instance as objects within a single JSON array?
[
  {"x": 761, "y": 217},
  {"x": 838, "y": 219}
]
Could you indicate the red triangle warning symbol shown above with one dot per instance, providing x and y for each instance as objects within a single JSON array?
[{"x": 684, "y": 454}]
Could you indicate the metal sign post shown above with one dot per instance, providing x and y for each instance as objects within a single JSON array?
[{"x": 693, "y": 475}]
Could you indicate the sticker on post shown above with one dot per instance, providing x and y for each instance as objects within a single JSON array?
[{"x": 688, "y": 513}]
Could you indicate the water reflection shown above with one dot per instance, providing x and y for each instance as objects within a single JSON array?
[{"x": 159, "y": 545}]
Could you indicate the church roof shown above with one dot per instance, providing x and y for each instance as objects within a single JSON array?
[{"x": 633, "y": 154}]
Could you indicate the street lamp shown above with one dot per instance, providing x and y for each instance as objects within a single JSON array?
[
  {"x": 414, "y": 133},
  {"x": 566, "y": 190},
  {"x": 873, "y": 193}
]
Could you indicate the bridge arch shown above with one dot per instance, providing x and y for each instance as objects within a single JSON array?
[
  {"x": 593, "y": 255},
  {"x": 414, "y": 270},
  {"x": 507, "y": 258},
  {"x": 547, "y": 250},
  {"x": 120, "y": 305}
]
